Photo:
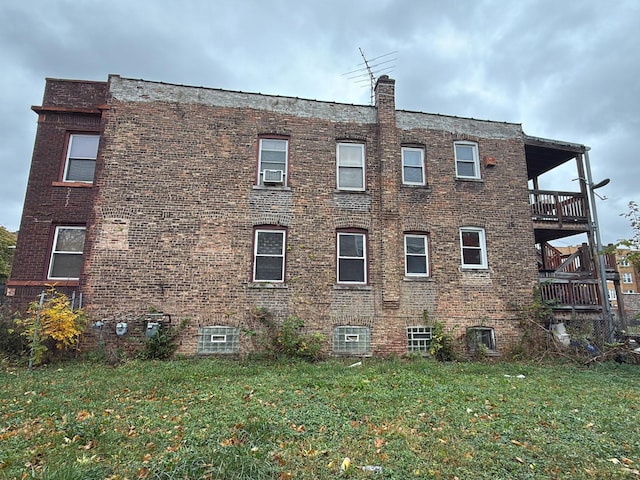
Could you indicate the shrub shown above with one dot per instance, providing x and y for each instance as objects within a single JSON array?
[
  {"x": 52, "y": 323},
  {"x": 442, "y": 346},
  {"x": 288, "y": 339},
  {"x": 163, "y": 344}
]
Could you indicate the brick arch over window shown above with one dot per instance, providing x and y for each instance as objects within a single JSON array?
[
  {"x": 352, "y": 221},
  {"x": 280, "y": 219},
  {"x": 414, "y": 226}
]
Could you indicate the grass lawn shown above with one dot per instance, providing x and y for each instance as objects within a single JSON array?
[{"x": 244, "y": 419}]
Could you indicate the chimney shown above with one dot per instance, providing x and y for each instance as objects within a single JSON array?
[{"x": 386, "y": 100}]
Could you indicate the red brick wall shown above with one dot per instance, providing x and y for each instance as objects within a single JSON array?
[
  {"x": 177, "y": 206},
  {"x": 46, "y": 204}
]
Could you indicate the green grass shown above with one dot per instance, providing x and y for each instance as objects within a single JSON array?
[{"x": 259, "y": 420}]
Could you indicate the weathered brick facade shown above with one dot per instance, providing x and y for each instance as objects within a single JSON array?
[{"x": 171, "y": 214}]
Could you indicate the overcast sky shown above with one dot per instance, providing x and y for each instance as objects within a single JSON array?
[{"x": 567, "y": 70}]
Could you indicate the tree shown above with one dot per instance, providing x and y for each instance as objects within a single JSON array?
[
  {"x": 7, "y": 244},
  {"x": 633, "y": 243}
]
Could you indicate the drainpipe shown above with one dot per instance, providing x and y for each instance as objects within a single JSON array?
[{"x": 595, "y": 226}]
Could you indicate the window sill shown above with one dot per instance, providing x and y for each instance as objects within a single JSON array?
[
  {"x": 472, "y": 180},
  {"x": 268, "y": 285},
  {"x": 281, "y": 188},
  {"x": 345, "y": 286},
  {"x": 475, "y": 270},
  {"x": 408, "y": 278},
  {"x": 73, "y": 184},
  {"x": 338, "y": 190},
  {"x": 43, "y": 283},
  {"x": 411, "y": 185}
]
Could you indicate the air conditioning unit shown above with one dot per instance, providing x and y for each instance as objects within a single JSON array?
[{"x": 273, "y": 176}]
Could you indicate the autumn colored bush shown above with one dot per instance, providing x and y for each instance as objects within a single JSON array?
[{"x": 54, "y": 323}]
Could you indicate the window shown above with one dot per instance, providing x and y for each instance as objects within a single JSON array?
[
  {"x": 218, "y": 339},
  {"x": 413, "y": 166},
  {"x": 467, "y": 163},
  {"x": 612, "y": 295},
  {"x": 419, "y": 339},
  {"x": 624, "y": 262},
  {"x": 350, "y": 340},
  {"x": 629, "y": 291},
  {"x": 268, "y": 262},
  {"x": 66, "y": 254},
  {"x": 272, "y": 161},
  {"x": 350, "y": 166},
  {"x": 483, "y": 337},
  {"x": 472, "y": 244},
  {"x": 352, "y": 258},
  {"x": 80, "y": 164},
  {"x": 416, "y": 260},
  {"x": 627, "y": 278}
]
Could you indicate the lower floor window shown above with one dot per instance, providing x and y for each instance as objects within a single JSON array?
[
  {"x": 218, "y": 339},
  {"x": 481, "y": 338},
  {"x": 419, "y": 339},
  {"x": 352, "y": 258},
  {"x": 350, "y": 340},
  {"x": 67, "y": 253},
  {"x": 268, "y": 264}
]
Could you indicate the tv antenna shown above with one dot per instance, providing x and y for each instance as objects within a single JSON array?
[{"x": 370, "y": 70}]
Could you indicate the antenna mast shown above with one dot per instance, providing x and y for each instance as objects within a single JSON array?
[{"x": 370, "y": 70}]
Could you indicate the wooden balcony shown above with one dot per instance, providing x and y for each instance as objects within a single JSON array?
[
  {"x": 558, "y": 214},
  {"x": 575, "y": 294}
]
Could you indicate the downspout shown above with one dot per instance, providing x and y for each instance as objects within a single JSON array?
[{"x": 595, "y": 226}]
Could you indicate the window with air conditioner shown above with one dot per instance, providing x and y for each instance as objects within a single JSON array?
[{"x": 272, "y": 161}]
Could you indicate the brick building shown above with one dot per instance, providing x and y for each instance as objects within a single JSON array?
[{"x": 367, "y": 222}]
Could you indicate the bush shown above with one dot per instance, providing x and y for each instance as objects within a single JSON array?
[
  {"x": 287, "y": 339},
  {"x": 163, "y": 344},
  {"x": 54, "y": 323},
  {"x": 442, "y": 346}
]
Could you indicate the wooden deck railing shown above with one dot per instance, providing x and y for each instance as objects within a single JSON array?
[
  {"x": 562, "y": 207},
  {"x": 570, "y": 292}
]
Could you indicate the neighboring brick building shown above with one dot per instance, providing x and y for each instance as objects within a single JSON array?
[{"x": 208, "y": 204}]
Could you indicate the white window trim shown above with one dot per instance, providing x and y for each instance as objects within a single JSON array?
[
  {"x": 476, "y": 160},
  {"x": 255, "y": 253},
  {"x": 414, "y": 149},
  {"x": 627, "y": 278},
  {"x": 364, "y": 258},
  {"x": 362, "y": 167},
  {"x": 285, "y": 173},
  {"x": 67, "y": 163},
  {"x": 54, "y": 252},
  {"x": 483, "y": 249},
  {"x": 426, "y": 255}
]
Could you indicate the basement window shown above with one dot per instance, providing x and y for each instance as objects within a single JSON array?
[
  {"x": 218, "y": 340},
  {"x": 349, "y": 340},
  {"x": 419, "y": 339},
  {"x": 481, "y": 337}
]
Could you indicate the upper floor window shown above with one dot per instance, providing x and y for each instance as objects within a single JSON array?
[
  {"x": 413, "y": 166},
  {"x": 473, "y": 247},
  {"x": 416, "y": 258},
  {"x": 350, "y": 165},
  {"x": 66, "y": 253},
  {"x": 467, "y": 163},
  {"x": 80, "y": 164},
  {"x": 272, "y": 161},
  {"x": 352, "y": 257},
  {"x": 268, "y": 257},
  {"x": 624, "y": 262},
  {"x": 627, "y": 278}
]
